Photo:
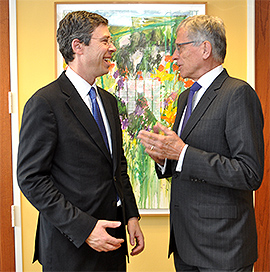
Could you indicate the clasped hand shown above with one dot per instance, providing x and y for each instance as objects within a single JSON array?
[{"x": 161, "y": 144}]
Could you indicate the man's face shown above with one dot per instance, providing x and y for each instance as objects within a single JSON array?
[
  {"x": 188, "y": 57},
  {"x": 97, "y": 56}
]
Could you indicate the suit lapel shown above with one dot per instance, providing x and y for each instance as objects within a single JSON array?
[
  {"x": 203, "y": 104},
  {"x": 182, "y": 101},
  {"x": 81, "y": 111},
  {"x": 111, "y": 118}
]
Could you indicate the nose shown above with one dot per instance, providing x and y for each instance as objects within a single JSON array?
[
  {"x": 112, "y": 47},
  {"x": 175, "y": 54}
]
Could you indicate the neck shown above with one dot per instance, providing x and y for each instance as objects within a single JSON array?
[
  {"x": 79, "y": 70},
  {"x": 207, "y": 68}
]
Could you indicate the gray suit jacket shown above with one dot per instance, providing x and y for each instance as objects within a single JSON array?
[
  {"x": 212, "y": 215},
  {"x": 67, "y": 173}
]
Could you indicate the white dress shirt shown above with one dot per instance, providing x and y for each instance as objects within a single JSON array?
[
  {"x": 83, "y": 88},
  {"x": 205, "y": 81}
]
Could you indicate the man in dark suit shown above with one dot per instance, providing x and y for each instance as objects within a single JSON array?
[
  {"x": 217, "y": 161},
  {"x": 75, "y": 176}
]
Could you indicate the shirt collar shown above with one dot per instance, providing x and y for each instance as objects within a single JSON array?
[
  {"x": 81, "y": 85},
  {"x": 206, "y": 80}
]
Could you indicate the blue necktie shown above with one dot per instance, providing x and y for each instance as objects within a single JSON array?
[
  {"x": 97, "y": 115},
  {"x": 194, "y": 88}
]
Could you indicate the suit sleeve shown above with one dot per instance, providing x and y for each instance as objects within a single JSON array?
[
  {"x": 131, "y": 209},
  {"x": 243, "y": 167},
  {"x": 38, "y": 140}
]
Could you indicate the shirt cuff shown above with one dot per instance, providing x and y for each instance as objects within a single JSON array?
[
  {"x": 162, "y": 168},
  {"x": 181, "y": 159}
]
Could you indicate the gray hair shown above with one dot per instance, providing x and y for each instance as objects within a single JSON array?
[
  {"x": 77, "y": 25},
  {"x": 207, "y": 28}
]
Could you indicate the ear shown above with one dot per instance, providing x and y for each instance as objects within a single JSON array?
[
  {"x": 207, "y": 49},
  {"x": 77, "y": 46}
]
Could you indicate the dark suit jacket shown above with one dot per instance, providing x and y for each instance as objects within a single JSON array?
[
  {"x": 67, "y": 173},
  {"x": 211, "y": 206}
]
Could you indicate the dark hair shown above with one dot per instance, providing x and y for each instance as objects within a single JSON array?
[
  {"x": 207, "y": 28},
  {"x": 77, "y": 25}
]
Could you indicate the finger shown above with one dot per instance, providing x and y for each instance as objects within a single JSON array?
[
  {"x": 138, "y": 248},
  {"x": 156, "y": 128},
  {"x": 132, "y": 239},
  {"x": 149, "y": 137},
  {"x": 149, "y": 145},
  {"x": 115, "y": 241},
  {"x": 111, "y": 224},
  {"x": 164, "y": 129},
  {"x": 143, "y": 134},
  {"x": 146, "y": 139},
  {"x": 110, "y": 247},
  {"x": 110, "y": 243}
]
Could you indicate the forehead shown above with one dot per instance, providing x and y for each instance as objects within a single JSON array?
[
  {"x": 182, "y": 35},
  {"x": 101, "y": 31}
]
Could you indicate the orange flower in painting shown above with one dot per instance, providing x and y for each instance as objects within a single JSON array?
[
  {"x": 140, "y": 76},
  {"x": 188, "y": 83},
  {"x": 168, "y": 58},
  {"x": 161, "y": 67},
  {"x": 175, "y": 67},
  {"x": 111, "y": 66},
  {"x": 126, "y": 72}
]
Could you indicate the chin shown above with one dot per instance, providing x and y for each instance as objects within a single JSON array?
[{"x": 103, "y": 72}]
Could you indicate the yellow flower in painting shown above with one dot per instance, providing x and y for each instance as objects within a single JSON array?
[
  {"x": 169, "y": 114},
  {"x": 134, "y": 141},
  {"x": 162, "y": 75}
]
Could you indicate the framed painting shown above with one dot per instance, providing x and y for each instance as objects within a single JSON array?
[{"x": 145, "y": 81}]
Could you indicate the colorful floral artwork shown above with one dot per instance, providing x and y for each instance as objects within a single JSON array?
[{"x": 145, "y": 82}]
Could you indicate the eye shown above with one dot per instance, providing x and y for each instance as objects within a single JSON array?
[{"x": 106, "y": 41}]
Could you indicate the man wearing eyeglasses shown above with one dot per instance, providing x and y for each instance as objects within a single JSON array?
[
  {"x": 214, "y": 154},
  {"x": 71, "y": 164}
]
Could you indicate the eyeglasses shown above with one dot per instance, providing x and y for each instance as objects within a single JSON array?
[
  {"x": 106, "y": 40},
  {"x": 179, "y": 45}
]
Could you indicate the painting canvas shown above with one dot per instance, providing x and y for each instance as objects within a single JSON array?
[{"x": 145, "y": 81}]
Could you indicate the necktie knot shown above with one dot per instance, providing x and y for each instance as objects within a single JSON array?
[
  {"x": 195, "y": 87},
  {"x": 92, "y": 93}
]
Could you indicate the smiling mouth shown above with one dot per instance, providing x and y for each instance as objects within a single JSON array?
[{"x": 107, "y": 60}]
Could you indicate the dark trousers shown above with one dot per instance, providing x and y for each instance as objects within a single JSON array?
[{"x": 180, "y": 266}]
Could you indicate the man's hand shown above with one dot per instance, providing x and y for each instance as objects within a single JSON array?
[
  {"x": 135, "y": 234},
  {"x": 100, "y": 240},
  {"x": 161, "y": 146}
]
